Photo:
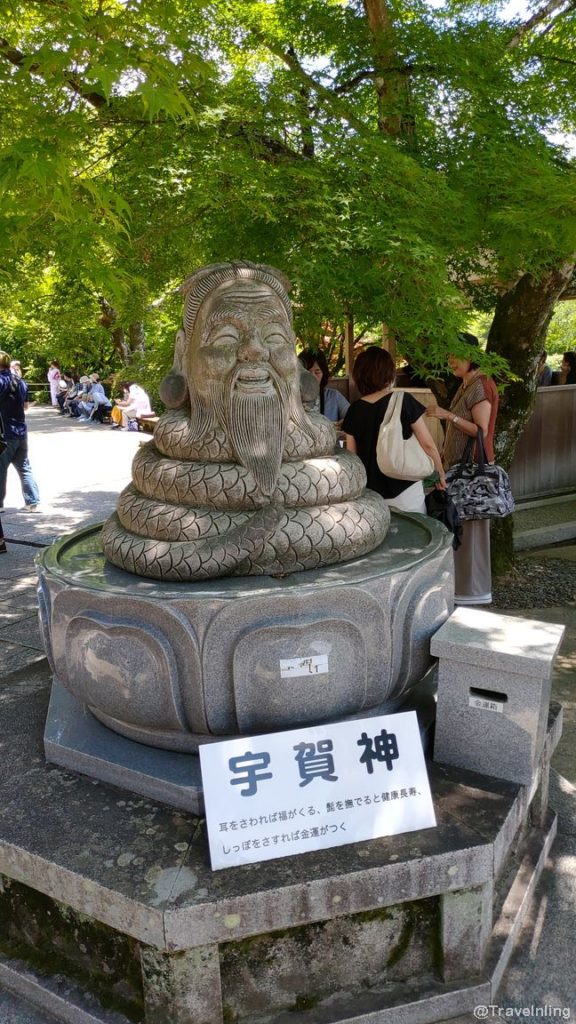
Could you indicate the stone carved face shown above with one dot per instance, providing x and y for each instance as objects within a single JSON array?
[
  {"x": 242, "y": 362},
  {"x": 242, "y": 328}
]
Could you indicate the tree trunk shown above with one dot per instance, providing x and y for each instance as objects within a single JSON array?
[
  {"x": 137, "y": 338},
  {"x": 391, "y": 79},
  {"x": 518, "y": 333},
  {"x": 120, "y": 346},
  {"x": 349, "y": 344},
  {"x": 109, "y": 319}
]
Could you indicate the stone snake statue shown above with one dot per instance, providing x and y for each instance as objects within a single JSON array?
[{"x": 239, "y": 479}]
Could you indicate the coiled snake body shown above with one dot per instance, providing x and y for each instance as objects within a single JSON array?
[{"x": 193, "y": 513}]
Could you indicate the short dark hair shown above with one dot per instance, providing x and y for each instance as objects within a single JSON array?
[
  {"x": 310, "y": 356},
  {"x": 374, "y": 370},
  {"x": 472, "y": 340}
]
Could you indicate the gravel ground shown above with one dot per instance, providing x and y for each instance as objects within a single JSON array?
[{"x": 536, "y": 584}]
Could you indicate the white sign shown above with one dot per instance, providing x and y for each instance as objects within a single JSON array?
[
  {"x": 485, "y": 705},
  {"x": 285, "y": 793},
  {"x": 315, "y": 665}
]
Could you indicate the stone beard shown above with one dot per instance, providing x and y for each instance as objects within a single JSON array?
[
  {"x": 255, "y": 423},
  {"x": 244, "y": 374}
]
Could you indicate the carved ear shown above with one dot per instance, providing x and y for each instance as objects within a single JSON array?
[
  {"x": 174, "y": 389},
  {"x": 180, "y": 350},
  {"x": 309, "y": 386}
]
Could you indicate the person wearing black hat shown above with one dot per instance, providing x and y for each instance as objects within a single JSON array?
[{"x": 474, "y": 405}]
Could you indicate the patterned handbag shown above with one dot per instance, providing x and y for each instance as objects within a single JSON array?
[{"x": 479, "y": 490}]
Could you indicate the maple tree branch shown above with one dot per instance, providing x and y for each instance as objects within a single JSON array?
[
  {"x": 71, "y": 81},
  {"x": 537, "y": 18}
]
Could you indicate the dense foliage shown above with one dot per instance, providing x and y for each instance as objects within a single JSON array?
[{"x": 393, "y": 158}]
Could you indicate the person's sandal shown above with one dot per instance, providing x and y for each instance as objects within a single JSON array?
[{"x": 3, "y": 549}]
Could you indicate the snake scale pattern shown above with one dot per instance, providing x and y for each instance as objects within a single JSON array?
[{"x": 192, "y": 513}]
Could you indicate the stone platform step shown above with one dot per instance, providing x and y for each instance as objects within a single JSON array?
[
  {"x": 59, "y": 997},
  {"x": 70, "y": 1005},
  {"x": 545, "y": 521},
  {"x": 117, "y": 892}
]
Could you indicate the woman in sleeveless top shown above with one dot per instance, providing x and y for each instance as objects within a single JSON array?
[{"x": 474, "y": 405}]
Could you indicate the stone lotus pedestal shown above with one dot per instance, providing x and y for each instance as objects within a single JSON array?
[{"x": 175, "y": 665}]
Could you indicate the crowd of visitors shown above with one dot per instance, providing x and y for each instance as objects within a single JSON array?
[
  {"x": 474, "y": 407},
  {"x": 546, "y": 376},
  {"x": 84, "y": 399}
]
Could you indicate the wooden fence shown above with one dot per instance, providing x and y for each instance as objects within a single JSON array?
[{"x": 544, "y": 462}]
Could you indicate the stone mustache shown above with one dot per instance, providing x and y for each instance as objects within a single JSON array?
[{"x": 239, "y": 479}]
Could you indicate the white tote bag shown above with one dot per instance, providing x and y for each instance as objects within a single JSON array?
[{"x": 397, "y": 458}]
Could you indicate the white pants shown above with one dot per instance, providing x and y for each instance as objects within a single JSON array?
[{"x": 411, "y": 500}]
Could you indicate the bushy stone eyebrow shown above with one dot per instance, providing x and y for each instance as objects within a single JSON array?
[
  {"x": 235, "y": 318},
  {"x": 233, "y": 314}
]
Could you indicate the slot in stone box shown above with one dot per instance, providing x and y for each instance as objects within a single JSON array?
[{"x": 494, "y": 679}]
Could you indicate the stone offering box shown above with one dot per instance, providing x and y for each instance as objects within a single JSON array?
[{"x": 494, "y": 683}]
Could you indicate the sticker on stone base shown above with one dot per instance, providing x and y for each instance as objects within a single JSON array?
[
  {"x": 485, "y": 705},
  {"x": 286, "y": 793},
  {"x": 316, "y": 664}
]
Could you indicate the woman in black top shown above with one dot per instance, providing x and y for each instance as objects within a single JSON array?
[{"x": 374, "y": 373}]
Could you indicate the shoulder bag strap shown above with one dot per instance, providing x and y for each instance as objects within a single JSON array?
[
  {"x": 467, "y": 456},
  {"x": 481, "y": 456},
  {"x": 394, "y": 407}
]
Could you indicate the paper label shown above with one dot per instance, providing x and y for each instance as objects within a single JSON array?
[{"x": 314, "y": 665}]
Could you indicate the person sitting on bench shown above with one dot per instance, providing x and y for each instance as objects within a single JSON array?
[
  {"x": 94, "y": 397},
  {"x": 134, "y": 404}
]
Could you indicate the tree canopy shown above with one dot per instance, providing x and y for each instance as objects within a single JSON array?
[{"x": 398, "y": 160}]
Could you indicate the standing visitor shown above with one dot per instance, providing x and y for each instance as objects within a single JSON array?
[
  {"x": 374, "y": 373},
  {"x": 333, "y": 404},
  {"x": 568, "y": 368},
  {"x": 544, "y": 372},
  {"x": 13, "y": 400},
  {"x": 54, "y": 381},
  {"x": 474, "y": 405}
]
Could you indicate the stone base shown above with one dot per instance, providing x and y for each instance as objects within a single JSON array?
[
  {"x": 174, "y": 665},
  {"x": 117, "y": 893},
  {"x": 74, "y": 739}
]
